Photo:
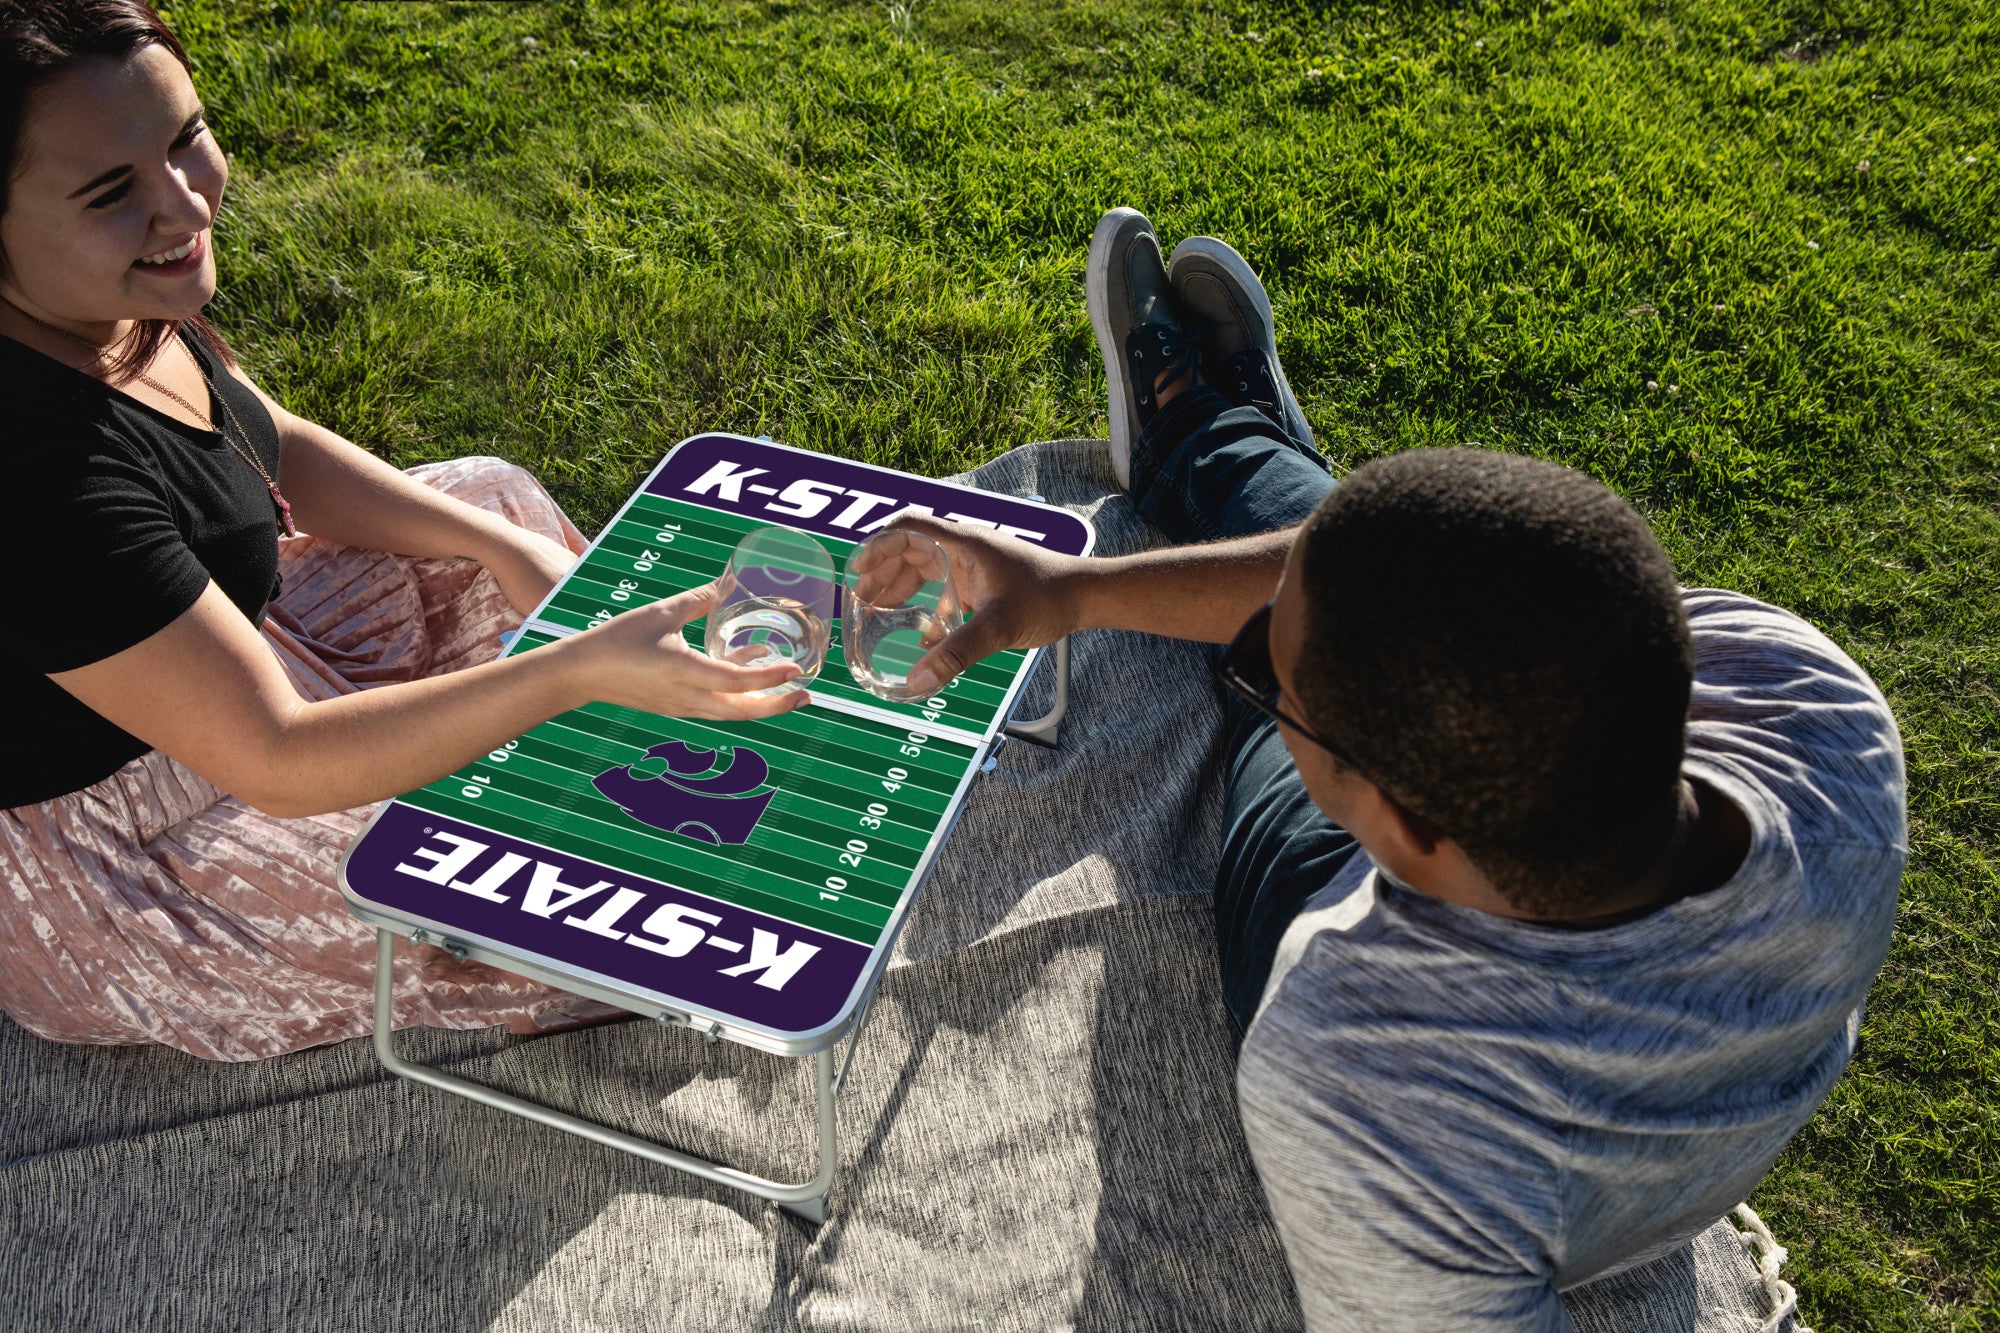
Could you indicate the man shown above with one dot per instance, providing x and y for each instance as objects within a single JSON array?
[{"x": 1549, "y": 893}]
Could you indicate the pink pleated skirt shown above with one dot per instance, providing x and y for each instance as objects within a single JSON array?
[{"x": 152, "y": 907}]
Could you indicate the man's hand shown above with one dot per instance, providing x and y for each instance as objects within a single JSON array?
[
  {"x": 1026, "y": 597},
  {"x": 1023, "y": 596}
]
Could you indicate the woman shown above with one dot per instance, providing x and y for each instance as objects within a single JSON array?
[{"x": 196, "y": 738}]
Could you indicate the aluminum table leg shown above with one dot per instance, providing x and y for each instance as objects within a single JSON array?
[
  {"x": 1047, "y": 729},
  {"x": 808, "y": 1200}
]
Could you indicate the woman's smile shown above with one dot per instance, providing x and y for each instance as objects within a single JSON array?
[{"x": 177, "y": 260}]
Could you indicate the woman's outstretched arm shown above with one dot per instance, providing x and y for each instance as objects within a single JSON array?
[{"x": 208, "y": 691}]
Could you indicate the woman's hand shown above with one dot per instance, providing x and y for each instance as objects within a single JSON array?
[
  {"x": 526, "y": 565},
  {"x": 1024, "y": 596},
  {"x": 639, "y": 660}
]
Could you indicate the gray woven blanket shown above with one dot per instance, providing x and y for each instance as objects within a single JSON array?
[{"x": 1039, "y": 1133}]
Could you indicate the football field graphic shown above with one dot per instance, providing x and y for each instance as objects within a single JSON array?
[{"x": 752, "y": 874}]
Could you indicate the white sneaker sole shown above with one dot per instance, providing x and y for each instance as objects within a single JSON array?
[{"x": 1097, "y": 299}]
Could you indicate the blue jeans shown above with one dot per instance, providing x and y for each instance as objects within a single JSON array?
[{"x": 1203, "y": 471}]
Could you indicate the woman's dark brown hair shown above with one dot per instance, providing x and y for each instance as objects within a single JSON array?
[{"x": 40, "y": 39}]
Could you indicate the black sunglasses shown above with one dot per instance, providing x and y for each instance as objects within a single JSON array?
[{"x": 1245, "y": 668}]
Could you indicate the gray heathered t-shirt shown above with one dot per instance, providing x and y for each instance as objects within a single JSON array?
[{"x": 1458, "y": 1116}]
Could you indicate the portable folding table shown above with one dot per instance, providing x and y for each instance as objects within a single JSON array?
[{"x": 746, "y": 880}]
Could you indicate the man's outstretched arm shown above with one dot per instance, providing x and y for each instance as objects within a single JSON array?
[{"x": 1025, "y": 597}]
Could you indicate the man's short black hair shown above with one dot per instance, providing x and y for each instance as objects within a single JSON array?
[{"x": 1500, "y": 644}]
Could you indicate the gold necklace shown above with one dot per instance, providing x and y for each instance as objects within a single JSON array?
[{"x": 248, "y": 456}]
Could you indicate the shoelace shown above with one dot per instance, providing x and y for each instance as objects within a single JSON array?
[
  {"x": 1252, "y": 374},
  {"x": 1174, "y": 351}
]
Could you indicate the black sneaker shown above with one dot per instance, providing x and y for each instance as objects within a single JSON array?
[
  {"x": 1220, "y": 294},
  {"x": 1132, "y": 312}
]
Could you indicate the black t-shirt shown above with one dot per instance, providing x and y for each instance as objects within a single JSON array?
[{"x": 119, "y": 517}]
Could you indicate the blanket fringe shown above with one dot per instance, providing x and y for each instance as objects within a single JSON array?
[{"x": 1769, "y": 1256}]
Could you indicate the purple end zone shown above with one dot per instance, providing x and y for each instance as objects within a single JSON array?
[
  {"x": 709, "y": 955},
  {"x": 796, "y": 488}
]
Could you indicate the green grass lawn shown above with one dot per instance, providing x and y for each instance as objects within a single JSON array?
[{"x": 1734, "y": 258}]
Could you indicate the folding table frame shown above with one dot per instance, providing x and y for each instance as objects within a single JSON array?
[
  {"x": 719, "y": 483},
  {"x": 807, "y": 1199}
]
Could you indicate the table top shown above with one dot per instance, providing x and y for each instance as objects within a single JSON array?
[{"x": 749, "y": 878}]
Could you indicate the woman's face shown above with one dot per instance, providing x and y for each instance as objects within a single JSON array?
[{"x": 115, "y": 189}]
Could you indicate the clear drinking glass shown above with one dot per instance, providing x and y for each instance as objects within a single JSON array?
[
  {"x": 899, "y": 604},
  {"x": 775, "y": 603}
]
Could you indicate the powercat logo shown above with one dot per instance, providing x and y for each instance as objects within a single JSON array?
[
  {"x": 711, "y": 796},
  {"x": 602, "y": 910},
  {"x": 821, "y": 503}
]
